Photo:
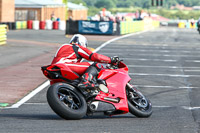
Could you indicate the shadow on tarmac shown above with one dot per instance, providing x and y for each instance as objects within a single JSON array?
[{"x": 56, "y": 117}]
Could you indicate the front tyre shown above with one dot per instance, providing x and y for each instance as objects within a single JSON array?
[
  {"x": 138, "y": 104},
  {"x": 66, "y": 101}
]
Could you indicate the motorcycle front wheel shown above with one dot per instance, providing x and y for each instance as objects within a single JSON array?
[
  {"x": 138, "y": 104},
  {"x": 66, "y": 101}
]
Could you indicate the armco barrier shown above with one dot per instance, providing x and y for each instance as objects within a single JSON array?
[{"x": 3, "y": 36}]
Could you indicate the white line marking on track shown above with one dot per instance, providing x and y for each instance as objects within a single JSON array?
[
  {"x": 180, "y": 87},
  {"x": 44, "y": 85},
  {"x": 154, "y": 55},
  {"x": 173, "y": 67},
  {"x": 164, "y": 60},
  {"x": 153, "y": 50},
  {"x": 142, "y": 59},
  {"x": 196, "y": 61},
  {"x": 192, "y": 70},
  {"x": 168, "y": 75},
  {"x": 183, "y": 107}
]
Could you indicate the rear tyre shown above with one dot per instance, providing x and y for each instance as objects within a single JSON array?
[
  {"x": 138, "y": 104},
  {"x": 66, "y": 101}
]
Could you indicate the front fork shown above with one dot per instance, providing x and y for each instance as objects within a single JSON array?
[
  {"x": 129, "y": 86},
  {"x": 134, "y": 91}
]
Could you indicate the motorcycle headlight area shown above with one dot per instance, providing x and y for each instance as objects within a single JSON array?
[{"x": 103, "y": 88}]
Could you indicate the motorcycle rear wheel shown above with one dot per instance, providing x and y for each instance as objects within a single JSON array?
[
  {"x": 66, "y": 101},
  {"x": 138, "y": 104}
]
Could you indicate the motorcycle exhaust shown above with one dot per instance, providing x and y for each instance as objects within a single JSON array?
[{"x": 116, "y": 100}]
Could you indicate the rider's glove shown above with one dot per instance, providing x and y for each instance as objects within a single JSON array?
[{"x": 114, "y": 59}]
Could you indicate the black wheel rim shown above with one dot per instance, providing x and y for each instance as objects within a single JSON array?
[
  {"x": 69, "y": 98},
  {"x": 137, "y": 99}
]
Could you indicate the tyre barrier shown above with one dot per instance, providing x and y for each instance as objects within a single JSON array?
[
  {"x": 3, "y": 32},
  {"x": 55, "y": 25},
  {"x": 36, "y": 25},
  {"x": 42, "y": 25},
  {"x": 62, "y": 25},
  {"x": 30, "y": 24},
  {"x": 49, "y": 25},
  {"x": 21, "y": 25}
]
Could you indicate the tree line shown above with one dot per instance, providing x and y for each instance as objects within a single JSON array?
[{"x": 132, "y": 5}]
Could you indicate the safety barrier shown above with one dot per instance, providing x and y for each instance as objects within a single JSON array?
[
  {"x": 21, "y": 25},
  {"x": 187, "y": 25},
  {"x": 156, "y": 24},
  {"x": 127, "y": 27},
  {"x": 124, "y": 27},
  {"x": 3, "y": 36},
  {"x": 36, "y": 25}
]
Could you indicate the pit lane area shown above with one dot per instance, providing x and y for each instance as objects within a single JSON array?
[{"x": 165, "y": 65}]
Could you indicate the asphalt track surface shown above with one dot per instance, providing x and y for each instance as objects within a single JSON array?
[{"x": 165, "y": 65}]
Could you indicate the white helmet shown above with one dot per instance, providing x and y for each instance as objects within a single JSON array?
[{"x": 79, "y": 39}]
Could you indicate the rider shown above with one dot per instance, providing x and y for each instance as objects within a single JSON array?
[
  {"x": 198, "y": 24},
  {"x": 72, "y": 54}
]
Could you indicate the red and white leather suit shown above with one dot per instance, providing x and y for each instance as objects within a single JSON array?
[{"x": 67, "y": 55}]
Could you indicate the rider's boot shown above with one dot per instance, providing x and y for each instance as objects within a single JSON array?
[{"x": 87, "y": 81}]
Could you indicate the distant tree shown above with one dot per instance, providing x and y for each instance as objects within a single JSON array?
[
  {"x": 169, "y": 3},
  {"x": 105, "y": 4},
  {"x": 78, "y": 2},
  {"x": 185, "y": 2},
  {"x": 90, "y": 2},
  {"x": 124, "y": 3},
  {"x": 146, "y": 4},
  {"x": 195, "y": 2}
]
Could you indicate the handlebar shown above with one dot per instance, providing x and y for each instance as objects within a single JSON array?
[{"x": 116, "y": 65}]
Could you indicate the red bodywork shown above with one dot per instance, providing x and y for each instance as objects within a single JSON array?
[{"x": 116, "y": 80}]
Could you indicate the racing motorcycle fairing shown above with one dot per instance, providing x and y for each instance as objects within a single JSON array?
[{"x": 116, "y": 81}]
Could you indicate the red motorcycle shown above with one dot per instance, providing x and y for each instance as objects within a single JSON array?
[{"x": 115, "y": 95}]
